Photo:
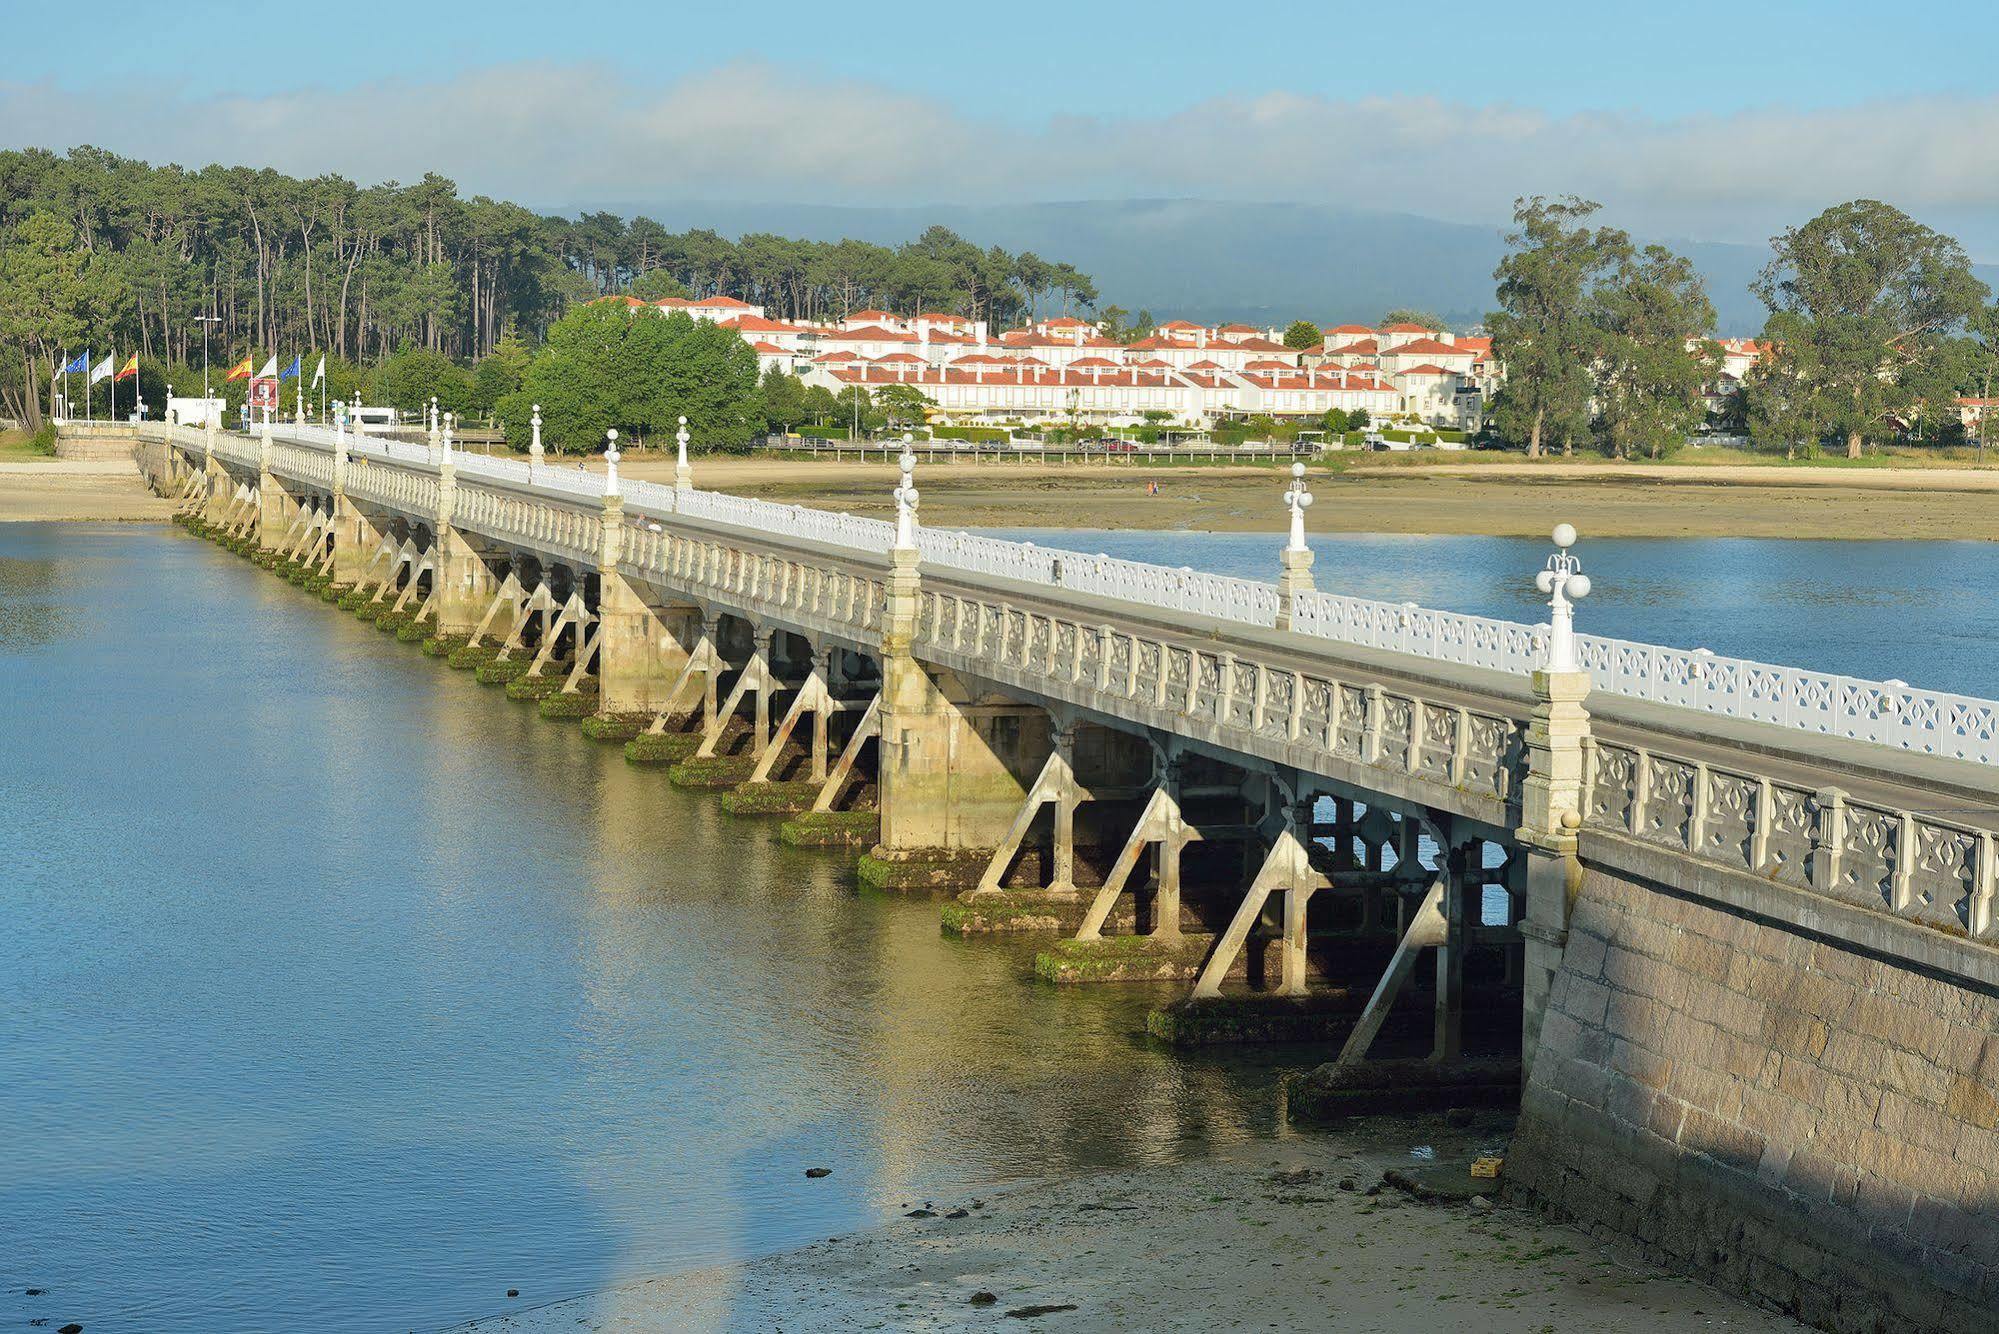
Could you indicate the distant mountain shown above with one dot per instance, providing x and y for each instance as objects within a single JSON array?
[{"x": 1212, "y": 261}]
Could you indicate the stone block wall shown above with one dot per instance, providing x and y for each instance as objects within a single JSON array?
[{"x": 1796, "y": 1120}]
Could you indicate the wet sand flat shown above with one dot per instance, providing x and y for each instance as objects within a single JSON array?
[
  {"x": 1507, "y": 500},
  {"x": 1261, "y": 1237},
  {"x": 62, "y": 489}
]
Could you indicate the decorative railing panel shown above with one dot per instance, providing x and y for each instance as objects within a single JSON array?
[{"x": 1910, "y": 864}]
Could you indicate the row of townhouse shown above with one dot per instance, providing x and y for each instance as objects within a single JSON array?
[{"x": 1065, "y": 370}]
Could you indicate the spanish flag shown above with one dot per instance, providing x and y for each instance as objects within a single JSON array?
[
  {"x": 130, "y": 368},
  {"x": 241, "y": 370}
]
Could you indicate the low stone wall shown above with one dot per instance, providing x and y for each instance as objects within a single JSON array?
[
  {"x": 1771, "y": 1108},
  {"x": 97, "y": 441}
]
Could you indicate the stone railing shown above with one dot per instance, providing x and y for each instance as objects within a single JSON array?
[
  {"x": 1253, "y": 704},
  {"x": 753, "y": 574},
  {"x": 1914, "y": 865},
  {"x": 520, "y": 516},
  {"x": 1889, "y": 714}
]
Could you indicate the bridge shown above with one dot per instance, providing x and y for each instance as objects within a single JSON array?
[{"x": 1725, "y": 930}]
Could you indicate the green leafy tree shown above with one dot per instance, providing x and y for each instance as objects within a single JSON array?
[
  {"x": 408, "y": 379},
  {"x": 657, "y": 285},
  {"x": 1337, "y": 421},
  {"x": 783, "y": 399},
  {"x": 51, "y": 296},
  {"x": 1542, "y": 331},
  {"x": 1303, "y": 334},
  {"x": 1651, "y": 314},
  {"x": 821, "y": 407},
  {"x": 902, "y": 405},
  {"x": 500, "y": 372},
  {"x": 1404, "y": 315},
  {"x": 1868, "y": 297}
]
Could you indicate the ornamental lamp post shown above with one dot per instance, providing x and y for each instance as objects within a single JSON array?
[
  {"x": 1294, "y": 574},
  {"x": 610, "y": 462},
  {"x": 683, "y": 473},
  {"x": 906, "y": 498},
  {"x": 534, "y": 444},
  {"x": 1565, "y": 585},
  {"x": 444, "y": 453}
]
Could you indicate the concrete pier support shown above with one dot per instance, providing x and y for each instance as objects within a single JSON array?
[
  {"x": 465, "y": 584},
  {"x": 355, "y": 541},
  {"x": 642, "y": 650}
]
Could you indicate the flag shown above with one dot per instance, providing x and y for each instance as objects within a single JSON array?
[
  {"x": 78, "y": 366},
  {"x": 270, "y": 368},
  {"x": 130, "y": 368},
  {"x": 100, "y": 370},
  {"x": 292, "y": 371},
  {"x": 320, "y": 374},
  {"x": 240, "y": 371}
]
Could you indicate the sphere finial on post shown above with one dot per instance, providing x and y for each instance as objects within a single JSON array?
[
  {"x": 1294, "y": 562},
  {"x": 906, "y": 498},
  {"x": 1565, "y": 584},
  {"x": 610, "y": 462},
  {"x": 683, "y": 473},
  {"x": 1298, "y": 499}
]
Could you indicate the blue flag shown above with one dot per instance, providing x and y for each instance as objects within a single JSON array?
[
  {"x": 77, "y": 367},
  {"x": 290, "y": 372}
]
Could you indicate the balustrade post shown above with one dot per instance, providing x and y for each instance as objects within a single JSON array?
[
  {"x": 1295, "y": 561},
  {"x": 1551, "y": 797},
  {"x": 1828, "y": 840},
  {"x": 271, "y": 518}
]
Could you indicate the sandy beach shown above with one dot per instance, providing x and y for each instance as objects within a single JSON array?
[
  {"x": 1499, "y": 499},
  {"x": 1300, "y": 1233},
  {"x": 74, "y": 489}
]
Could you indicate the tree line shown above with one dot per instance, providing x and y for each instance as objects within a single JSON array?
[
  {"x": 1876, "y": 324},
  {"x": 107, "y": 251}
]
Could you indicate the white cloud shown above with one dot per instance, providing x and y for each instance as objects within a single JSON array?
[{"x": 547, "y": 134}]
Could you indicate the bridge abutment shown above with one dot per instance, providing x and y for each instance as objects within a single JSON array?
[{"x": 1798, "y": 1105}]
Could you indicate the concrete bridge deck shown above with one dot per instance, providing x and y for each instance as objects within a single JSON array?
[{"x": 1211, "y": 778}]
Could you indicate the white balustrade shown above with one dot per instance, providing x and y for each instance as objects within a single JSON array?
[{"x": 1883, "y": 713}]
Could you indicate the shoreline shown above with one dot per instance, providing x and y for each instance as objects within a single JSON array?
[
  {"x": 77, "y": 491},
  {"x": 1300, "y": 1230},
  {"x": 1495, "y": 499}
]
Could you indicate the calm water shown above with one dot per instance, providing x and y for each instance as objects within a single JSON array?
[
  {"x": 1922, "y": 612},
  {"x": 339, "y": 992}
]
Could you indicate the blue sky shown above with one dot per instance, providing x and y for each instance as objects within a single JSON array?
[
  {"x": 1708, "y": 120},
  {"x": 1012, "y": 59}
]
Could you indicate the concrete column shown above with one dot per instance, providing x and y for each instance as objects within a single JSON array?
[
  {"x": 1294, "y": 577},
  {"x": 354, "y": 540},
  {"x": 275, "y": 508},
  {"x": 823, "y": 662},
  {"x": 1551, "y": 813},
  {"x": 641, "y": 652},
  {"x": 221, "y": 490},
  {"x": 1166, "y": 896},
  {"x": 465, "y": 584},
  {"x": 1062, "y": 849}
]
